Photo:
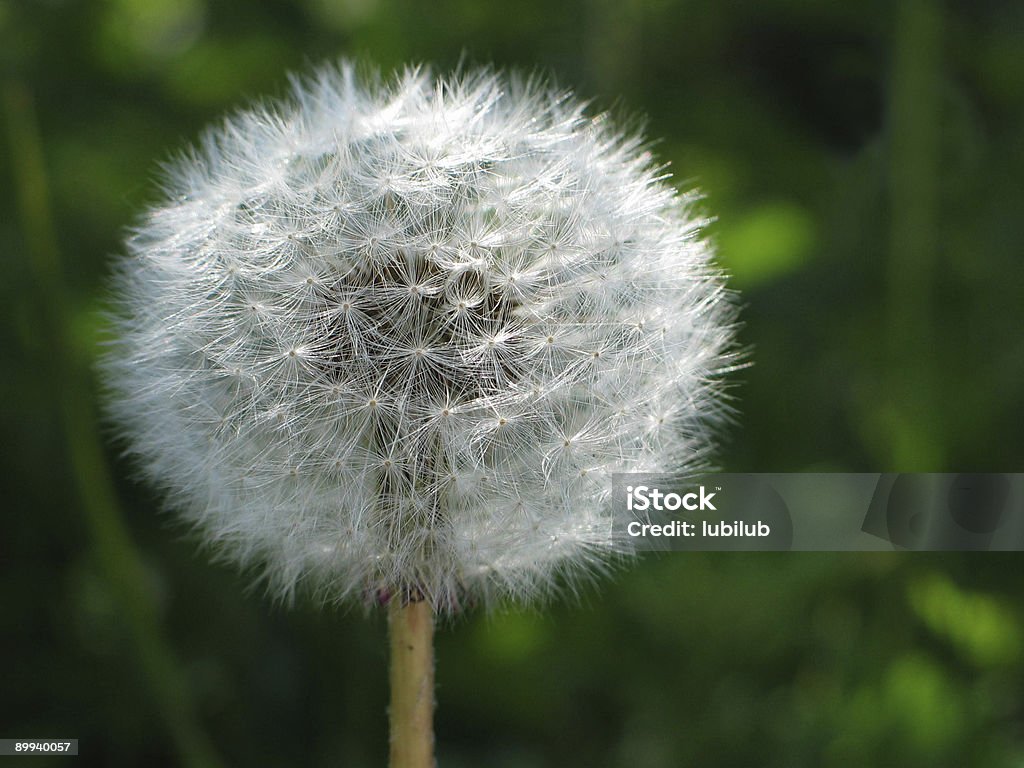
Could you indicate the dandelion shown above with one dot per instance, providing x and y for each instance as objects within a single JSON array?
[{"x": 389, "y": 340}]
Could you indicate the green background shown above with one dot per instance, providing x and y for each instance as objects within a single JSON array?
[{"x": 864, "y": 161}]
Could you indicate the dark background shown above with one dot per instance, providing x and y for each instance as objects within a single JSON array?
[{"x": 864, "y": 161}]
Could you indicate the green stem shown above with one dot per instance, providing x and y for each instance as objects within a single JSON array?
[
  {"x": 115, "y": 554},
  {"x": 915, "y": 119}
]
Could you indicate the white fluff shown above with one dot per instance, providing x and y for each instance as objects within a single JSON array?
[{"x": 394, "y": 338}]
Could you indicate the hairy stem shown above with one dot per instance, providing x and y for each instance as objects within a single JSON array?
[{"x": 411, "y": 627}]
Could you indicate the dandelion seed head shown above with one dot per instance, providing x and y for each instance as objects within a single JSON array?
[{"x": 394, "y": 337}]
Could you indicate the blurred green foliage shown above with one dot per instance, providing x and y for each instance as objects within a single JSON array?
[{"x": 864, "y": 163}]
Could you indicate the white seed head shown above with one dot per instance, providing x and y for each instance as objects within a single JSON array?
[{"x": 394, "y": 338}]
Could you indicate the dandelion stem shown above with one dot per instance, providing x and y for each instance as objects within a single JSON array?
[{"x": 411, "y": 627}]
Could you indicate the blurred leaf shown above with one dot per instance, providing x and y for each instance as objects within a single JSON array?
[
  {"x": 144, "y": 33},
  {"x": 766, "y": 243},
  {"x": 976, "y": 624}
]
